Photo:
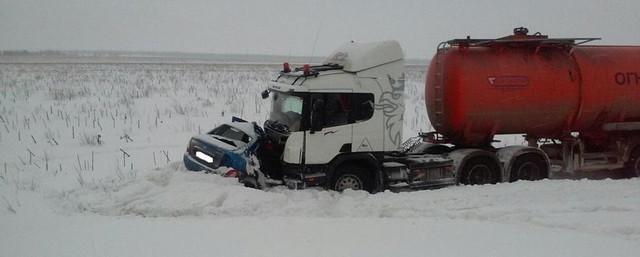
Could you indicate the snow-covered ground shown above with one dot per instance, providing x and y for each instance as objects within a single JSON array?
[{"x": 63, "y": 193}]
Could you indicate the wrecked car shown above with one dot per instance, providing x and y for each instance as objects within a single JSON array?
[{"x": 226, "y": 146}]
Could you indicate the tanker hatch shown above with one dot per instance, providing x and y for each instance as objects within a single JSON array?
[
  {"x": 519, "y": 38},
  {"x": 522, "y": 33}
]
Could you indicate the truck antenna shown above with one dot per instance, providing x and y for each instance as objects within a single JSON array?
[{"x": 315, "y": 42}]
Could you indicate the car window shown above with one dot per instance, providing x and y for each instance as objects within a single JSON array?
[{"x": 230, "y": 132}]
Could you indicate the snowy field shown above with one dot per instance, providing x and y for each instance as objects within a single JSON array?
[{"x": 90, "y": 165}]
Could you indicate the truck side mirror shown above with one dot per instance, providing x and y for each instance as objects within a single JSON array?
[
  {"x": 265, "y": 94},
  {"x": 317, "y": 115}
]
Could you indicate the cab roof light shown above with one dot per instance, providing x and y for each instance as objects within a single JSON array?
[
  {"x": 306, "y": 69},
  {"x": 286, "y": 68}
]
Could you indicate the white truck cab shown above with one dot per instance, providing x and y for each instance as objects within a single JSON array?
[{"x": 339, "y": 124}]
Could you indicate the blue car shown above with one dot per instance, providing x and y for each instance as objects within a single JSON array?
[{"x": 228, "y": 145}]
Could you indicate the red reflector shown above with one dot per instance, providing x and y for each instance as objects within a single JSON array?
[
  {"x": 306, "y": 69},
  {"x": 286, "y": 68},
  {"x": 231, "y": 174}
]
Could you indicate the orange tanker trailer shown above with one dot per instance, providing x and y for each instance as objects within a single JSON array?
[{"x": 578, "y": 105}]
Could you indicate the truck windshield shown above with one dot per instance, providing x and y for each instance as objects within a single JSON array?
[{"x": 286, "y": 110}]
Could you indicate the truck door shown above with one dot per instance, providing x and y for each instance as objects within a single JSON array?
[{"x": 336, "y": 133}]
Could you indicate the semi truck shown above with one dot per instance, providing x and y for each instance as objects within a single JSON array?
[{"x": 338, "y": 125}]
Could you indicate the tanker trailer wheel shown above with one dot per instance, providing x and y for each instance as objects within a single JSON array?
[
  {"x": 479, "y": 171},
  {"x": 352, "y": 177},
  {"x": 633, "y": 166},
  {"x": 529, "y": 167}
]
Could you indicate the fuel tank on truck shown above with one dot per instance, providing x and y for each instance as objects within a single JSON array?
[{"x": 530, "y": 84}]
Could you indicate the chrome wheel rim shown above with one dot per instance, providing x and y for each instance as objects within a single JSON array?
[{"x": 348, "y": 181}]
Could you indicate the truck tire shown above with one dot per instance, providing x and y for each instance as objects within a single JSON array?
[
  {"x": 529, "y": 167},
  {"x": 633, "y": 166},
  {"x": 479, "y": 171},
  {"x": 352, "y": 177}
]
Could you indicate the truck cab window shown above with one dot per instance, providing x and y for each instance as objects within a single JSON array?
[
  {"x": 336, "y": 110},
  {"x": 287, "y": 110},
  {"x": 346, "y": 108},
  {"x": 362, "y": 107}
]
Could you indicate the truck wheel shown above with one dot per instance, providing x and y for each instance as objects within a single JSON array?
[
  {"x": 479, "y": 171},
  {"x": 528, "y": 167},
  {"x": 351, "y": 177},
  {"x": 633, "y": 166}
]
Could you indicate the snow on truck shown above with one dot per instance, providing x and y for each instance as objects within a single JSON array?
[{"x": 339, "y": 125}]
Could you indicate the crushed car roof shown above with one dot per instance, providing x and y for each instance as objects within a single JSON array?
[{"x": 245, "y": 127}]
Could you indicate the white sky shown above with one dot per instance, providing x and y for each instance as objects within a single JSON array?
[{"x": 291, "y": 27}]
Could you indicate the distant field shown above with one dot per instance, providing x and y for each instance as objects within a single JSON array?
[{"x": 106, "y": 57}]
